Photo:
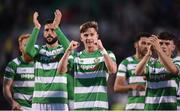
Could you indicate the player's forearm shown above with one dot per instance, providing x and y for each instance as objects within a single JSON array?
[
  {"x": 62, "y": 68},
  {"x": 62, "y": 38},
  {"x": 122, "y": 89},
  {"x": 7, "y": 94},
  {"x": 110, "y": 64},
  {"x": 167, "y": 61},
  {"x": 140, "y": 68},
  {"x": 30, "y": 50}
]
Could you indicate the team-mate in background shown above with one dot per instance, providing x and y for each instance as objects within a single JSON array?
[
  {"x": 136, "y": 84},
  {"x": 177, "y": 62},
  {"x": 19, "y": 75},
  {"x": 50, "y": 90},
  {"x": 161, "y": 73},
  {"x": 91, "y": 68}
]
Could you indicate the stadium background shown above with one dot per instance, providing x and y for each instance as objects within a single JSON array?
[{"x": 119, "y": 22}]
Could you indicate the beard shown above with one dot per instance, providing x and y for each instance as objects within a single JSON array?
[{"x": 50, "y": 40}]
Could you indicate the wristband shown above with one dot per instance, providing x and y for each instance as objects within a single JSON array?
[{"x": 103, "y": 52}]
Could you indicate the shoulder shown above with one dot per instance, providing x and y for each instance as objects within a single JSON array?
[{"x": 127, "y": 60}]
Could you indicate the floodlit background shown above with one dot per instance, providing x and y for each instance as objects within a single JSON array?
[{"x": 119, "y": 22}]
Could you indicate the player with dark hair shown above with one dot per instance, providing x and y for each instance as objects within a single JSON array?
[
  {"x": 50, "y": 90},
  {"x": 136, "y": 84},
  {"x": 161, "y": 73}
]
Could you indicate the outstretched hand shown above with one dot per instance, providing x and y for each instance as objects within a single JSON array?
[
  {"x": 35, "y": 20},
  {"x": 57, "y": 19}
]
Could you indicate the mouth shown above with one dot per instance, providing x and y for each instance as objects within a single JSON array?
[{"x": 49, "y": 38}]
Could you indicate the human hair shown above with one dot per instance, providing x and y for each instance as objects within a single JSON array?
[
  {"x": 140, "y": 35},
  {"x": 22, "y": 37},
  {"x": 50, "y": 21},
  {"x": 90, "y": 24},
  {"x": 166, "y": 36},
  {"x": 177, "y": 43}
]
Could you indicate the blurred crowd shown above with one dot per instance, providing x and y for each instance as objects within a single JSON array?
[{"x": 119, "y": 22}]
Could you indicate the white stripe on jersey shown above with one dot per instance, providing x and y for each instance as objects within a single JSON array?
[
  {"x": 23, "y": 84},
  {"x": 56, "y": 79},
  {"x": 48, "y": 66},
  {"x": 162, "y": 99},
  {"x": 50, "y": 94},
  {"x": 91, "y": 89},
  {"x": 89, "y": 104},
  {"x": 162, "y": 84}
]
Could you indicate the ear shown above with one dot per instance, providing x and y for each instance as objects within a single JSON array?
[
  {"x": 20, "y": 49},
  {"x": 81, "y": 38},
  {"x": 136, "y": 45},
  {"x": 173, "y": 47},
  {"x": 97, "y": 36}
]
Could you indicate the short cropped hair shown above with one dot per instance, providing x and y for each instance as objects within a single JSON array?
[
  {"x": 166, "y": 36},
  {"x": 50, "y": 21},
  {"x": 177, "y": 43},
  {"x": 140, "y": 35},
  {"x": 90, "y": 24}
]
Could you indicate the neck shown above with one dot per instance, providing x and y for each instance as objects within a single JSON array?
[
  {"x": 52, "y": 45},
  {"x": 138, "y": 56},
  {"x": 26, "y": 57}
]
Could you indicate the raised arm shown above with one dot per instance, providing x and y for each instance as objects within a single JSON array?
[
  {"x": 30, "y": 49},
  {"x": 110, "y": 64},
  {"x": 61, "y": 37},
  {"x": 141, "y": 66},
  {"x": 167, "y": 61},
  {"x": 62, "y": 68}
]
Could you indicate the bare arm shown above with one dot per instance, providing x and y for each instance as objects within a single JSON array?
[
  {"x": 110, "y": 64},
  {"x": 141, "y": 66},
  {"x": 30, "y": 50},
  {"x": 62, "y": 67},
  {"x": 167, "y": 61},
  {"x": 7, "y": 84},
  {"x": 61, "y": 37},
  {"x": 120, "y": 85}
]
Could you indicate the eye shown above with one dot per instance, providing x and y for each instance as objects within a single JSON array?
[
  {"x": 92, "y": 34},
  {"x": 52, "y": 29},
  {"x": 167, "y": 43},
  {"x": 143, "y": 43},
  {"x": 161, "y": 43},
  {"x": 86, "y": 35},
  {"x": 46, "y": 30}
]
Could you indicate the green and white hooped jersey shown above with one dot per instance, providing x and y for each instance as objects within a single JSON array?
[
  {"x": 177, "y": 62},
  {"x": 22, "y": 74},
  {"x": 90, "y": 83},
  {"x": 50, "y": 86},
  {"x": 126, "y": 69},
  {"x": 161, "y": 88}
]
